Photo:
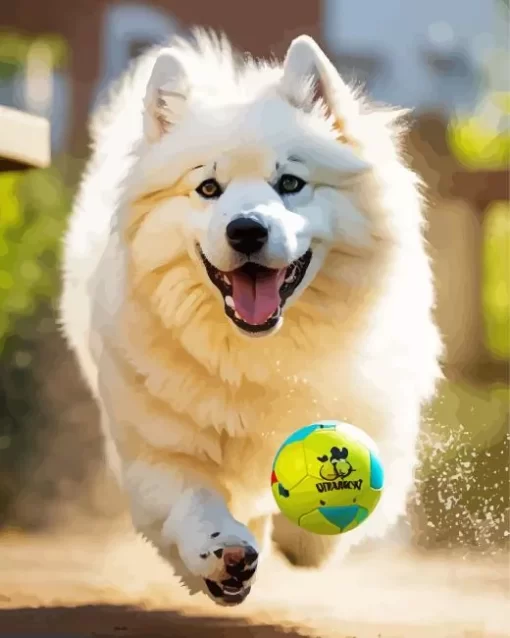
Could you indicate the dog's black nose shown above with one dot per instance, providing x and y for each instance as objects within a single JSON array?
[{"x": 247, "y": 234}]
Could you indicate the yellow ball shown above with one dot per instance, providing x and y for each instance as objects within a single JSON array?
[{"x": 327, "y": 477}]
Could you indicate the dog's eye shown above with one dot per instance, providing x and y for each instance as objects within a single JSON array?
[
  {"x": 289, "y": 184},
  {"x": 209, "y": 189}
]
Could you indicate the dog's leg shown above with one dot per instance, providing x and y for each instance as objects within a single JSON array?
[{"x": 181, "y": 512}]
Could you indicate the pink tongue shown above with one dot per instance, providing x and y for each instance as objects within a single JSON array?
[{"x": 256, "y": 298}]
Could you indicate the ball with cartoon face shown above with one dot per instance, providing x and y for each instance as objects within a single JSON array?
[{"x": 327, "y": 477}]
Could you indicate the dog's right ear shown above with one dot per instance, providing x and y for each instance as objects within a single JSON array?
[{"x": 166, "y": 95}]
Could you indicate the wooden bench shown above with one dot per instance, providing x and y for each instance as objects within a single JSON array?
[{"x": 24, "y": 141}]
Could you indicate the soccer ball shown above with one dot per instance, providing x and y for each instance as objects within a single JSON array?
[{"x": 327, "y": 477}]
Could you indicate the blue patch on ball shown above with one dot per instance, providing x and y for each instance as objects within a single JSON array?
[{"x": 376, "y": 473}]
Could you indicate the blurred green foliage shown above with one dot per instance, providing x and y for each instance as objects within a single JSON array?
[
  {"x": 496, "y": 280},
  {"x": 34, "y": 209},
  {"x": 480, "y": 142},
  {"x": 14, "y": 49}
]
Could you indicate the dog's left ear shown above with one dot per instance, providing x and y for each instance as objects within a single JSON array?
[
  {"x": 166, "y": 95},
  {"x": 306, "y": 61}
]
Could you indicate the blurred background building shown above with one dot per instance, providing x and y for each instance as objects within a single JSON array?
[{"x": 446, "y": 60}]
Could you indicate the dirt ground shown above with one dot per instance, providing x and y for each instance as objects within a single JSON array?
[{"x": 113, "y": 585}]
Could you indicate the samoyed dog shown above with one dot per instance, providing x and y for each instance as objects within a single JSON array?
[{"x": 245, "y": 256}]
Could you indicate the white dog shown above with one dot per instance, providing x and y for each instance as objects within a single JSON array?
[{"x": 245, "y": 256}]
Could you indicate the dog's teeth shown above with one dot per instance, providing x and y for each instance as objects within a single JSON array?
[
  {"x": 230, "y": 302},
  {"x": 226, "y": 280},
  {"x": 292, "y": 276},
  {"x": 237, "y": 315}
]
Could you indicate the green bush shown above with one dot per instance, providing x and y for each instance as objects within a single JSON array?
[
  {"x": 496, "y": 285},
  {"x": 33, "y": 212},
  {"x": 34, "y": 209},
  {"x": 15, "y": 48}
]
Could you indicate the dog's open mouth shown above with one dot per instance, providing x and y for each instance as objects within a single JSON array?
[{"x": 254, "y": 295}]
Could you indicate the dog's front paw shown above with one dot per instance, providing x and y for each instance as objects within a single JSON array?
[
  {"x": 232, "y": 570},
  {"x": 228, "y": 563}
]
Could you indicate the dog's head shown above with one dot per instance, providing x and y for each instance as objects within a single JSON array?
[{"x": 255, "y": 197}]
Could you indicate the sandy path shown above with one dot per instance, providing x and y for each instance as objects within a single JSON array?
[{"x": 116, "y": 586}]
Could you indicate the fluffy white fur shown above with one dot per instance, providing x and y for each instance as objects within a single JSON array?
[{"x": 192, "y": 409}]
